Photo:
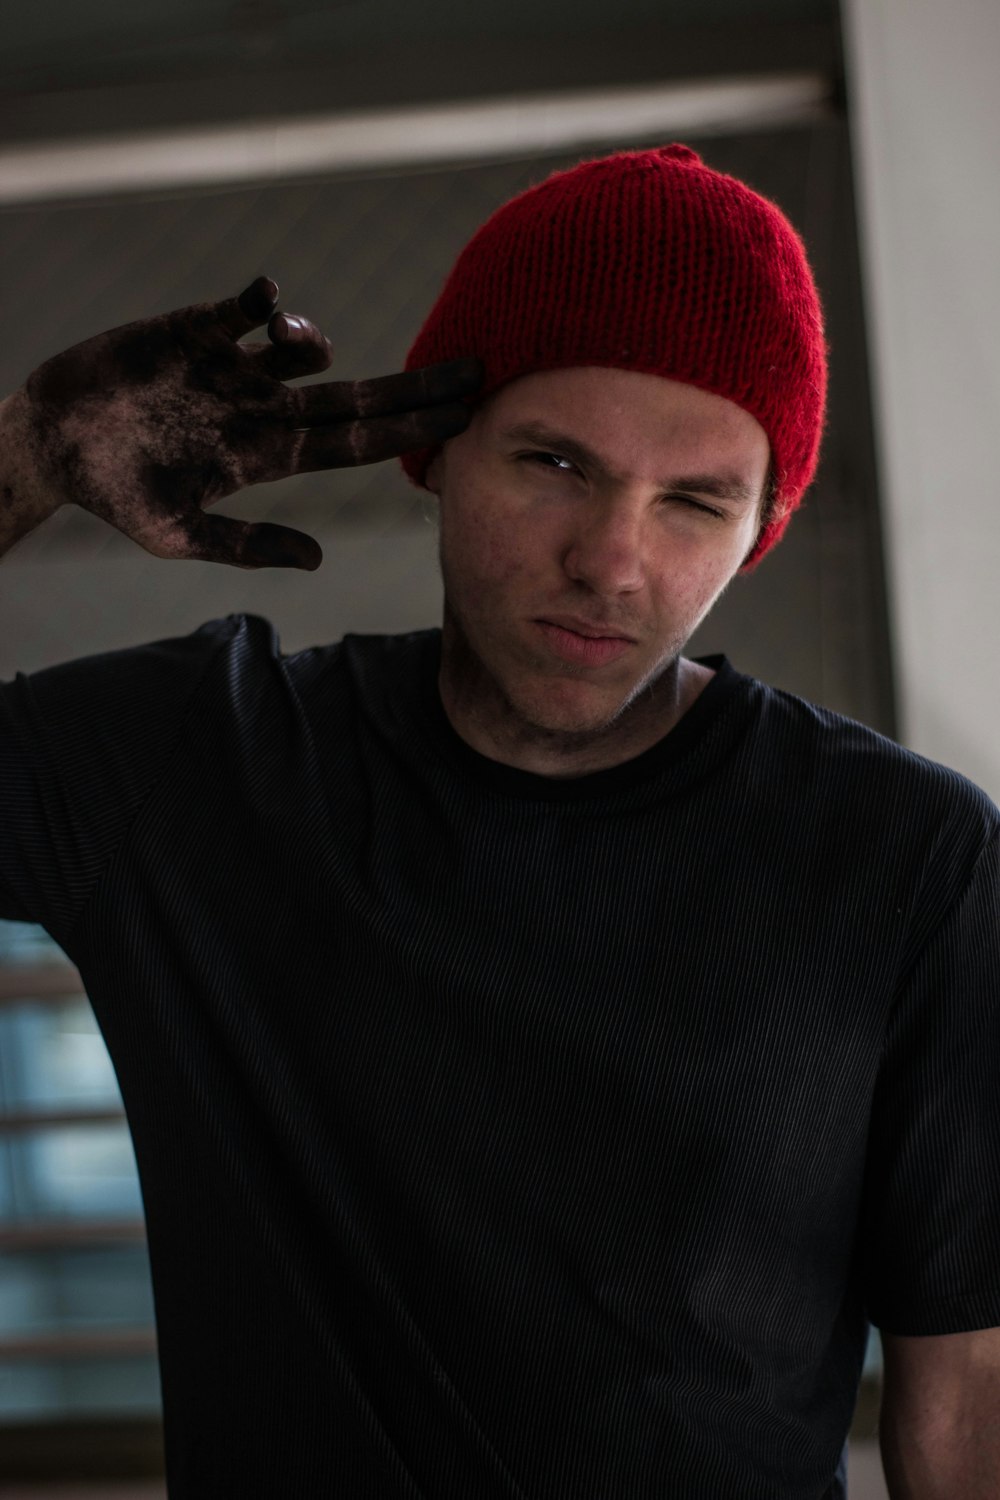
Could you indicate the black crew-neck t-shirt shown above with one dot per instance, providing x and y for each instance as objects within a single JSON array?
[{"x": 504, "y": 1135}]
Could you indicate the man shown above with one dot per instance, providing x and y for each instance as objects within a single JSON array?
[{"x": 544, "y": 1053}]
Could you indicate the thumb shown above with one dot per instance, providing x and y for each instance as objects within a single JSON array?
[{"x": 246, "y": 544}]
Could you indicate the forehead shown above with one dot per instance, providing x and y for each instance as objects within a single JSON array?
[{"x": 630, "y": 417}]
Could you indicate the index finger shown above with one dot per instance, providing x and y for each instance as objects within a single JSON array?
[
  {"x": 386, "y": 395},
  {"x": 252, "y": 308}
]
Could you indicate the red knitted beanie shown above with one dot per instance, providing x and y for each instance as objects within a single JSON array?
[{"x": 649, "y": 261}]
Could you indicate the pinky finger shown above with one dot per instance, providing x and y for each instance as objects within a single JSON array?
[{"x": 253, "y": 307}]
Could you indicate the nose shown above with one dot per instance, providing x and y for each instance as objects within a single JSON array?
[{"x": 606, "y": 550}]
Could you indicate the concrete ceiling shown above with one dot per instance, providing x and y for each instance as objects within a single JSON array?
[{"x": 64, "y": 45}]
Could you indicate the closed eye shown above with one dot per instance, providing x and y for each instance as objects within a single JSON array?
[{"x": 692, "y": 504}]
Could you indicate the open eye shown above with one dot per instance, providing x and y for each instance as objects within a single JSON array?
[{"x": 552, "y": 461}]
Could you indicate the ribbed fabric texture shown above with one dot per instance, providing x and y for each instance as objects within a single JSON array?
[
  {"x": 512, "y": 1137},
  {"x": 648, "y": 261}
]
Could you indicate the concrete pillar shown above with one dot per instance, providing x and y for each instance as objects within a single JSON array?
[{"x": 925, "y": 110}]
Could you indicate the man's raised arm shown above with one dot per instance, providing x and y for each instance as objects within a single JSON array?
[{"x": 148, "y": 424}]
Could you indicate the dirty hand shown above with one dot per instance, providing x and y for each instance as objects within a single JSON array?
[{"x": 147, "y": 424}]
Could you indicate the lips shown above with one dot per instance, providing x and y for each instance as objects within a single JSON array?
[
  {"x": 588, "y": 628},
  {"x": 581, "y": 643}
]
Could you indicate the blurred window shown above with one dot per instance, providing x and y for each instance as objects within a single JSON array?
[{"x": 76, "y": 1309}]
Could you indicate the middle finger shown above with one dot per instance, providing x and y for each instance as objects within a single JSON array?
[
  {"x": 387, "y": 395},
  {"x": 377, "y": 438}
]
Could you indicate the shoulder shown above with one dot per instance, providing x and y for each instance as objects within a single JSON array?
[
  {"x": 238, "y": 664},
  {"x": 376, "y": 670},
  {"x": 152, "y": 678},
  {"x": 851, "y": 784},
  {"x": 846, "y": 751}
]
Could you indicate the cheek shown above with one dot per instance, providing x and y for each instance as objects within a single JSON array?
[
  {"x": 689, "y": 590},
  {"x": 482, "y": 545}
]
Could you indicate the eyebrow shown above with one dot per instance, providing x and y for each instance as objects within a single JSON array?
[{"x": 719, "y": 486}]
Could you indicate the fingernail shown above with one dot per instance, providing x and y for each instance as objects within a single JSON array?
[
  {"x": 291, "y": 326},
  {"x": 263, "y": 292}
]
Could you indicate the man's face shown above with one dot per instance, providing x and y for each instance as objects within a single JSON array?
[{"x": 589, "y": 519}]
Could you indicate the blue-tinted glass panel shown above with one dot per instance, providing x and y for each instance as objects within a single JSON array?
[
  {"x": 54, "y": 1057},
  {"x": 78, "y": 1388},
  {"x": 25, "y": 943},
  {"x": 873, "y": 1354},
  {"x": 61, "y": 1290},
  {"x": 78, "y": 1172}
]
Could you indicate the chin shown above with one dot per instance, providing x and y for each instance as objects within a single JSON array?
[{"x": 567, "y": 707}]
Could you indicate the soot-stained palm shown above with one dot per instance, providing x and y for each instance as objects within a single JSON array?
[{"x": 149, "y": 423}]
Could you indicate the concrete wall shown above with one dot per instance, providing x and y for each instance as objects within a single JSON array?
[{"x": 926, "y": 121}]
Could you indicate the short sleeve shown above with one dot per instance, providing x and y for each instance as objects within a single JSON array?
[
  {"x": 931, "y": 1222},
  {"x": 82, "y": 745}
]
